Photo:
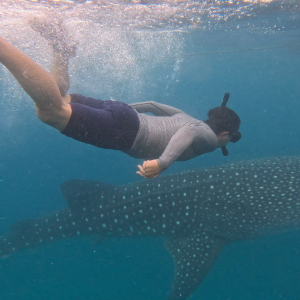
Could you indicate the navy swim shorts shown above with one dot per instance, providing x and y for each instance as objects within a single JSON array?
[{"x": 105, "y": 124}]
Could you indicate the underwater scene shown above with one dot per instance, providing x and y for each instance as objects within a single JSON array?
[{"x": 78, "y": 222}]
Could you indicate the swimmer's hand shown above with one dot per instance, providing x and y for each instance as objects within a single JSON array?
[{"x": 150, "y": 169}]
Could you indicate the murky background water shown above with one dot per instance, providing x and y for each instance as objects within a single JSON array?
[{"x": 182, "y": 53}]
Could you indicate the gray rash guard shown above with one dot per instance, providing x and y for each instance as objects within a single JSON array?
[{"x": 170, "y": 135}]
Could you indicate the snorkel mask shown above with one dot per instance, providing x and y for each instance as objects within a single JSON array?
[{"x": 237, "y": 135}]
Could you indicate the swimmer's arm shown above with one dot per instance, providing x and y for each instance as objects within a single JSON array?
[
  {"x": 155, "y": 108},
  {"x": 180, "y": 141}
]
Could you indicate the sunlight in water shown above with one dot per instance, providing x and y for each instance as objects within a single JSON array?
[
  {"x": 122, "y": 43},
  {"x": 157, "y": 14}
]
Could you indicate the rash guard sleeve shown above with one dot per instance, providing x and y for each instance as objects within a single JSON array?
[
  {"x": 179, "y": 142},
  {"x": 198, "y": 138},
  {"x": 155, "y": 108}
]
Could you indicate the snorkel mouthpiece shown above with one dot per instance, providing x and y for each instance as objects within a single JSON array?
[{"x": 224, "y": 150}]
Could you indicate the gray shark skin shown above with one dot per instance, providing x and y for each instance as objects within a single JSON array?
[{"x": 197, "y": 212}]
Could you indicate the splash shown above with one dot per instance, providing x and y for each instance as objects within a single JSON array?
[
  {"x": 164, "y": 14},
  {"x": 134, "y": 50},
  {"x": 110, "y": 63}
]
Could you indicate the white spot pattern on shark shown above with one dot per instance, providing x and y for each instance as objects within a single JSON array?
[{"x": 197, "y": 212}]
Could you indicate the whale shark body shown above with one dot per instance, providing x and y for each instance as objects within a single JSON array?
[{"x": 197, "y": 212}]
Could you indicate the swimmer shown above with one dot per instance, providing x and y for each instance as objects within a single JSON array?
[{"x": 167, "y": 136}]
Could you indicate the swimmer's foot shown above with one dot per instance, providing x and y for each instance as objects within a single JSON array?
[{"x": 56, "y": 35}]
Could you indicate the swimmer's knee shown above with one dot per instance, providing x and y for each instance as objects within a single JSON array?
[
  {"x": 44, "y": 115},
  {"x": 57, "y": 118}
]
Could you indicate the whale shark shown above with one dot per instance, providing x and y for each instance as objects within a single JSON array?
[{"x": 197, "y": 212}]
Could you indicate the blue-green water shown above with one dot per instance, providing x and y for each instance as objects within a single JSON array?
[{"x": 36, "y": 159}]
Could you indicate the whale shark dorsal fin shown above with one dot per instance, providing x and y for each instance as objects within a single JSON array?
[
  {"x": 193, "y": 257},
  {"x": 79, "y": 192}
]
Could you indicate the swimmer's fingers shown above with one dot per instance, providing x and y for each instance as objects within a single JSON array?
[
  {"x": 146, "y": 176},
  {"x": 145, "y": 164},
  {"x": 151, "y": 168},
  {"x": 141, "y": 172}
]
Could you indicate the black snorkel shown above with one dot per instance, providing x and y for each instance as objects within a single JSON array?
[
  {"x": 225, "y": 99},
  {"x": 224, "y": 102},
  {"x": 237, "y": 135}
]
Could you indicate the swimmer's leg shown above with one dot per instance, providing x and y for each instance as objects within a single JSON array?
[
  {"x": 63, "y": 48},
  {"x": 38, "y": 84},
  {"x": 60, "y": 73}
]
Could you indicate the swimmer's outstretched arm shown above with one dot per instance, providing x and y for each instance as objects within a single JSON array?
[
  {"x": 151, "y": 168},
  {"x": 179, "y": 142},
  {"x": 38, "y": 84}
]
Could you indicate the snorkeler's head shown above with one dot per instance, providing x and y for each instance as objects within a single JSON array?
[{"x": 223, "y": 119}]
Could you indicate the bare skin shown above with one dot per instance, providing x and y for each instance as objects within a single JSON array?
[
  {"x": 47, "y": 90},
  {"x": 38, "y": 84}
]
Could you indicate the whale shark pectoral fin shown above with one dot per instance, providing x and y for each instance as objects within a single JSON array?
[
  {"x": 83, "y": 192},
  {"x": 193, "y": 258}
]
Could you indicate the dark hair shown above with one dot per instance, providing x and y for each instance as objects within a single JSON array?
[{"x": 223, "y": 119}]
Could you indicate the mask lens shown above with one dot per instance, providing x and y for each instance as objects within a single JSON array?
[{"x": 236, "y": 137}]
